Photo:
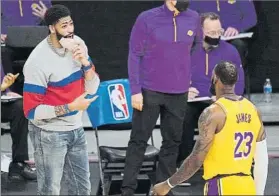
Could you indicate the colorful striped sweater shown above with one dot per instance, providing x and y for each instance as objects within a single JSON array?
[{"x": 52, "y": 80}]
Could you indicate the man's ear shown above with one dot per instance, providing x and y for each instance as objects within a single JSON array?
[{"x": 51, "y": 29}]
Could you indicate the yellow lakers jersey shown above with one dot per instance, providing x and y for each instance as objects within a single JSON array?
[{"x": 233, "y": 147}]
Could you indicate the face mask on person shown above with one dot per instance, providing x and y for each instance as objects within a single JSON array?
[
  {"x": 212, "y": 41},
  {"x": 212, "y": 89},
  {"x": 182, "y": 5}
]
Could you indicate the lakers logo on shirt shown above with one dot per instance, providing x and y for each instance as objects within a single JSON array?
[
  {"x": 231, "y": 1},
  {"x": 34, "y": 5},
  {"x": 190, "y": 33}
]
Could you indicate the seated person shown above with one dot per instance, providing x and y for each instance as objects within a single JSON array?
[
  {"x": 236, "y": 17},
  {"x": 203, "y": 62},
  {"x": 13, "y": 112},
  {"x": 19, "y": 13}
]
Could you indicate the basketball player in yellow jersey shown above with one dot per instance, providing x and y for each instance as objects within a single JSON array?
[{"x": 231, "y": 135}]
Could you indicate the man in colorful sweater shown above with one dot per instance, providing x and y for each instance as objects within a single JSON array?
[
  {"x": 159, "y": 73},
  {"x": 58, "y": 76},
  {"x": 204, "y": 60}
]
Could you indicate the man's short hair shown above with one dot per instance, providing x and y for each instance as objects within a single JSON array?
[
  {"x": 55, "y": 13},
  {"x": 227, "y": 72},
  {"x": 210, "y": 16}
]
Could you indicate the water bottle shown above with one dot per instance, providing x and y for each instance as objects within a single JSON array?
[{"x": 267, "y": 91}]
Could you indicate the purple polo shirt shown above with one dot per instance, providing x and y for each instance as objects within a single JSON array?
[
  {"x": 203, "y": 64},
  {"x": 159, "y": 50},
  {"x": 19, "y": 13},
  {"x": 240, "y": 14}
]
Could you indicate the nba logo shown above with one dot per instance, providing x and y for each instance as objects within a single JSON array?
[{"x": 118, "y": 102}]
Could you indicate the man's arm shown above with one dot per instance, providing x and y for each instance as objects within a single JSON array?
[
  {"x": 198, "y": 40},
  {"x": 207, "y": 126},
  {"x": 261, "y": 161},
  {"x": 91, "y": 78},
  {"x": 137, "y": 43},
  {"x": 248, "y": 19},
  {"x": 35, "y": 85}
]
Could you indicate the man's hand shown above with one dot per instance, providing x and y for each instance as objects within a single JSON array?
[
  {"x": 231, "y": 32},
  {"x": 193, "y": 92},
  {"x": 161, "y": 189},
  {"x": 8, "y": 80},
  {"x": 3, "y": 37},
  {"x": 39, "y": 10},
  {"x": 137, "y": 101},
  {"x": 79, "y": 54},
  {"x": 81, "y": 103}
]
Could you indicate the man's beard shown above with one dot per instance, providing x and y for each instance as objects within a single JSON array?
[{"x": 60, "y": 36}]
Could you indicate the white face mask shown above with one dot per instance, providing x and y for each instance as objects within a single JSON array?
[{"x": 69, "y": 43}]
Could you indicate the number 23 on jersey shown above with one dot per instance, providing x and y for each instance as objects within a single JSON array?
[{"x": 243, "y": 144}]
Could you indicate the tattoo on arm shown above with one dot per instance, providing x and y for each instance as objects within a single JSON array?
[
  {"x": 60, "y": 110},
  {"x": 190, "y": 166}
]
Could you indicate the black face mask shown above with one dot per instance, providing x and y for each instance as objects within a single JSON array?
[
  {"x": 212, "y": 41},
  {"x": 182, "y": 5},
  {"x": 212, "y": 88}
]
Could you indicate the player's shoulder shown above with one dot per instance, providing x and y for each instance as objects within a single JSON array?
[
  {"x": 213, "y": 112},
  {"x": 38, "y": 54},
  {"x": 38, "y": 58}
]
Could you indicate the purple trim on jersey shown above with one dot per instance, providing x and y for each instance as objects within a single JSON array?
[{"x": 213, "y": 187}]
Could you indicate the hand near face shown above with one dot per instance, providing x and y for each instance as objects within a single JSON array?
[
  {"x": 231, "y": 32},
  {"x": 80, "y": 55},
  {"x": 8, "y": 80},
  {"x": 39, "y": 10}
]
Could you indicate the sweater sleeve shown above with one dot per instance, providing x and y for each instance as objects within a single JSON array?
[
  {"x": 91, "y": 86},
  {"x": 35, "y": 86}
]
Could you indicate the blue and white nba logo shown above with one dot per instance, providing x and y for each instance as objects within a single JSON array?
[{"x": 118, "y": 102}]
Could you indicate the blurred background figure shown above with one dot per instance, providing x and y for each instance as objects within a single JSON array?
[
  {"x": 19, "y": 13},
  {"x": 12, "y": 112},
  {"x": 236, "y": 17}
]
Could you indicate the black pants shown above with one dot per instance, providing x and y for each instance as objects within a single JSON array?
[
  {"x": 13, "y": 112},
  {"x": 193, "y": 112},
  {"x": 171, "y": 108}
]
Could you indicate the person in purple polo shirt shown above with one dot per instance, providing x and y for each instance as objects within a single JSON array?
[
  {"x": 203, "y": 62},
  {"x": 159, "y": 74},
  {"x": 13, "y": 112},
  {"x": 237, "y": 16}
]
